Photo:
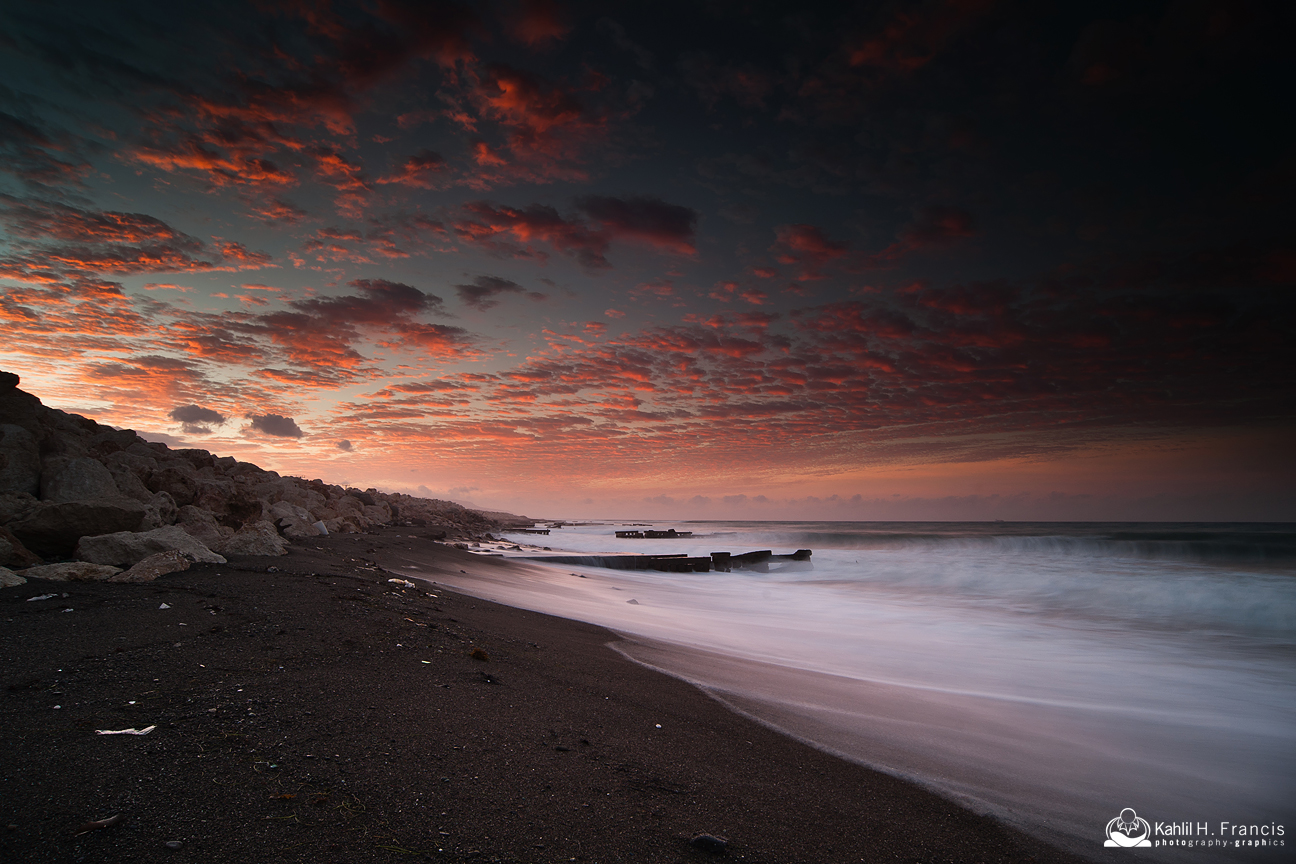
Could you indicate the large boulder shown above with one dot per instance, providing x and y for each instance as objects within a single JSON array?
[
  {"x": 79, "y": 480},
  {"x": 178, "y": 480},
  {"x": 10, "y": 579},
  {"x": 13, "y": 553},
  {"x": 160, "y": 511},
  {"x": 257, "y": 538},
  {"x": 52, "y": 530},
  {"x": 125, "y": 548},
  {"x": 16, "y": 505},
  {"x": 294, "y": 522},
  {"x": 20, "y": 462},
  {"x": 72, "y": 571},
  {"x": 201, "y": 525},
  {"x": 152, "y": 567}
]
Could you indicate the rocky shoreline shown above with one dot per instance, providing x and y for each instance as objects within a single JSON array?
[{"x": 80, "y": 501}]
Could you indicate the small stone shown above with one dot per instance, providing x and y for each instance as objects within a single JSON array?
[
  {"x": 72, "y": 571},
  {"x": 709, "y": 843},
  {"x": 173, "y": 844}
]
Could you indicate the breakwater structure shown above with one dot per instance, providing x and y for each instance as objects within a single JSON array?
[
  {"x": 649, "y": 534},
  {"x": 763, "y": 561}
]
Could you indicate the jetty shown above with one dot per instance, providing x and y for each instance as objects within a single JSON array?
[
  {"x": 723, "y": 562},
  {"x": 669, "y": 534}
]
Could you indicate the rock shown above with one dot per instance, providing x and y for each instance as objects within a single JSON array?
[
  {"x": 258, "y": 538},
  {"x": 160, "y": 511},
  {"x": 130, "y": 470},
  {"x": 152, "y": 567},
  {"x": 125, "y": 548},
  {"x": 79, "y": 480},
  {"x": 52, "y": 529},
  {"x": 10, "y": 579},
  {"x": 73, "y": 571},
  {"x": 16, "y": 505},
  {"x": 13, "y": 553},
  {"x": 709, "y": 843},
  {"x": 178, "y": 480},
  {"x": 378, "y": 513},
  {"x": 295, "y": 522},
  {"x": 201, "y": 525},
  {"x": 20, "y": 463}
]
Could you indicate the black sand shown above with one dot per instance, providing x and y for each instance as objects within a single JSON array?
[{"x": 321, "y": 713}]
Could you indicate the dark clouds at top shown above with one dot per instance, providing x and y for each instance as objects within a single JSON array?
[{"x": 986, "y": 217}]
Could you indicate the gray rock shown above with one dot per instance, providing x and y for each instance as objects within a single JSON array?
[
  {"x": 125, "y": 548},
  {"x": 52, "y": 529},
  {"x": 176, "y": 478},
  {"x": 201, "y": 525},
  {"x": 10, "y": 579},
  {"x": 73, "y": 571},
  {"x": 258, "y": 538},
  {"x": 20, "y": 463},
  {"x": 13, "y": 553},
  {"x": 79, "y": 480},
  {"x": 152, "y": 567},
  {"x": 160, "y": 511},
  {"x": 16, "y": 505},
  {"x": 295, "y": 522}
]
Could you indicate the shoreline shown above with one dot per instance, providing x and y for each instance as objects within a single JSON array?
[{"x": 319, "y": 710}]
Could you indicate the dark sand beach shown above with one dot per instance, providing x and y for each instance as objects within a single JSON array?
[{"x": 317, "y": 712}]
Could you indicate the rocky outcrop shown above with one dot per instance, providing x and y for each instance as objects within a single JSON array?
[
  {"x": 52, "y": 530},
  {"x": 125, "y": 548},
  {"x": 64, "y": 478},
  {"x": 78, "y": 480},
  {"x": 258, "y": 538},
  {"x": 10, "y": 579},
  {"x": 152, "y": 567},
  {"x": 72, "y": 571},
  {"x": 13, "y": 553},
  {"x": 20, "y": 467}
]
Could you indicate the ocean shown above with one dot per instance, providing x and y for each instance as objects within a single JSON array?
[{"x": 1050, "y": 674}]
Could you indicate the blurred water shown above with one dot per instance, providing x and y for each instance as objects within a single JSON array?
[{"x": 1052, "y": 674}]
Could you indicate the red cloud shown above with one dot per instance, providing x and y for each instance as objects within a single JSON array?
[
  {"x": 912, "y": 37},
  {"x": 500, "y": 229},
  {"x": 488, "y": 225},
  {"x": 419, "y": 170},
  {"x": 535, "y": 22},
  {"x": 807, "y": 247}
]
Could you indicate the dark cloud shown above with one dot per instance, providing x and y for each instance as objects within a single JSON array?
[
  {"x": 276, "y": 425},
  {"x": 482, "y": 291},
  {"x": 344, "y": 445},
  {"x": 536, "y": 22},
  {"x": 512, "y": 232},
  {"x": 195, "y": 419},
  {"x": 649, "y": 220}
]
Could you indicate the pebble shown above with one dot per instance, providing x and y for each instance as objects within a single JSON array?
[
  {"x": 173, "y": 844},
  {"x": 709, "y": 843}
]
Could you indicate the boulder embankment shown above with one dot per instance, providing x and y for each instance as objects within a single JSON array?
[{"x": 76, "y": 492}]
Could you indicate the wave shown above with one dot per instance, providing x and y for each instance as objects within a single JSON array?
[{"x": 1257, "y": 543}]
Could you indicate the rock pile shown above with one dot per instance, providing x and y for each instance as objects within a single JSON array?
[{"x": 74, "y": 490}]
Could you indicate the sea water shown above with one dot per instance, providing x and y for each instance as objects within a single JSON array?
[{"x": 1050, "y": 674}]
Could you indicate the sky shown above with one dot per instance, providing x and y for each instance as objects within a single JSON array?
[{"x": 925, "y": 259}]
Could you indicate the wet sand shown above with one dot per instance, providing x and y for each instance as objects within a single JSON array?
[{"x": 320, "y": 712}]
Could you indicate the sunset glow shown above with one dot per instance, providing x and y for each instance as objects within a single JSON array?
[{"x": 926, "y": 260}]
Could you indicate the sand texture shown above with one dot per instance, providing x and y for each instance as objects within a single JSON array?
[{"x": 319, "y": 712}]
